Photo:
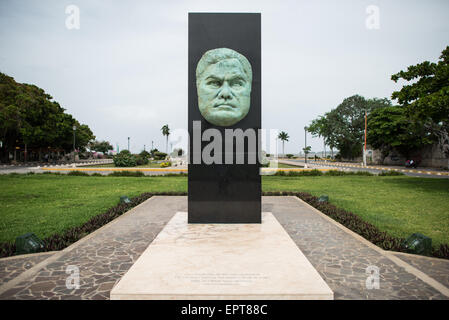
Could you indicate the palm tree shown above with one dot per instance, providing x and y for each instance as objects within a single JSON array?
[
  {"x": 166, "y": 132},
  {"x": 283, "y": 136}
]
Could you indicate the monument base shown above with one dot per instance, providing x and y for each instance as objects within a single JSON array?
[{"x": 222, "y": 261}]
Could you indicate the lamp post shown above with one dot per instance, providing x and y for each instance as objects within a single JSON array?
[
  {"x": 305, "y": 145},
  {"x": 364, "y": 146},
  {"x": 128, "y": 144},
  {"x": 74, "y": 131},
  {"x": 324, "y": 144}
]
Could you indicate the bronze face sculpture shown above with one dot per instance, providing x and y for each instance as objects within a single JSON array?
[{"x": 223, "y": 81}]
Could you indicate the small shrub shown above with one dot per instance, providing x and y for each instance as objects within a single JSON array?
[
  {"x": 77, "y": 173},
  {"x": 141, "y": 160},
  {"x": 124, "y": 159},
  {"x": 159, "y": 155},
  {"x": 334, "y": 173},
  {"x": 301, "y": 173},
  {"x": 96, "y": 174},
  {"x": 145, "y": 154},
  {"x": 441, "y": 252},
  {"x": 289, "y": 155},
  {"x": 390, "y": 173},
  {"x": 181, "y": 174},
  {"x": 126, "y": 174},
  {"x": 7, "y": 249}
]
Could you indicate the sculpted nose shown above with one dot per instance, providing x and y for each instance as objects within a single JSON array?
[{"x": 225, "y": 92}]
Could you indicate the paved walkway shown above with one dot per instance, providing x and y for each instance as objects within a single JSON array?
[
  {"x": 340, "y": 257},
  {"x": 12, "y": 267}
]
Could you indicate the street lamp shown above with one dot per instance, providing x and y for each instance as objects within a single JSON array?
[
  {"x": 74, "y": 131},
  {"x": 128, "y": 144},
  {"x": 305, "y": 145}
]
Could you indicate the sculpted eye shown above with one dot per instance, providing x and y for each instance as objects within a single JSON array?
[
  {"x": 214, "y": 83},
  {"x": 237, "y": 84}
]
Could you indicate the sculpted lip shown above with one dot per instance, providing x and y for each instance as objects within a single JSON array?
[{"x": 227, "y": 106}]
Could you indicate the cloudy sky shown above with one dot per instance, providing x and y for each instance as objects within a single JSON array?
[{"x": 124, "y": 71}]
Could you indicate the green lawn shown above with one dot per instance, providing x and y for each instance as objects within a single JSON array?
[
  {"x": 283, "y": 165},
  {"x": 46, "y": 204},
  {"x": 400, "y": 205}
]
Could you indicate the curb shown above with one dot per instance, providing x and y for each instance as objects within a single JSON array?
[{"x": 438, "y": 173}]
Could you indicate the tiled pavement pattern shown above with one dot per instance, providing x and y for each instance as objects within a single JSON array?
[
  {"x": 13, "y": 266},
  {"x": 104, "y": 256},
  {"x": 341, "y": 259},
  {"x": 437, "y": 269}
]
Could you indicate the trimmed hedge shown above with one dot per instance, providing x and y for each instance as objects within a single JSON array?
[
  {"x": 126, "y": 174},
  {"x": 316, "y": 172}
]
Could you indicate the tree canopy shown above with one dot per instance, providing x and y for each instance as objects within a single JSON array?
[
  {"x": 29, "y": 116},
  {"x": 343, "y": 127},
  {"x": 391, "y": 128},
  {"x": 101, "y": 146},
  {"x": 426, "y": 97}
]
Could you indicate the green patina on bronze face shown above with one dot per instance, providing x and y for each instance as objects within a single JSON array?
[{"x": 223, "y": 81}]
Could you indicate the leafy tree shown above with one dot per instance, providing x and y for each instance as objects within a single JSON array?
[
  {"x": 322, "y": 127},
  {"x": 166, "y": 132},
  {"x": 30, "y": 117},
  {"x": 426, "y": 98},
  {"x": 101, "y": 146},
  {"x": 344, "y": 126},
  {"x": 152, "y": 152},
  {"x": 283, "y": 136},
  {"x": 390, "y": 128}
]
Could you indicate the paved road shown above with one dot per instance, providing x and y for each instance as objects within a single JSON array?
[
  {"x": 39, "y": 168},
  {"x": 419, "y": 172},
  {"x": 90, "y": 170}
]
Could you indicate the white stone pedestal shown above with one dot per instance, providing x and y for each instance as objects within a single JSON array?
[{"x": 222, "y": 261}]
